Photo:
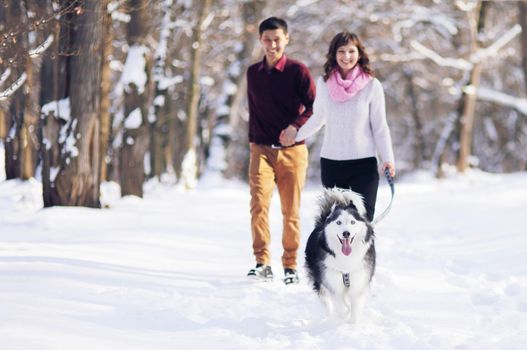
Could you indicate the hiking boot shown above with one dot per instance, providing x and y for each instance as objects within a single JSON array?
[
  {"x": 261, "y": 272},
  {"x": 290, "y": 276}
]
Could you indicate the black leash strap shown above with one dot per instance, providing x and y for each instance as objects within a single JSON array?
[{"x": 389, "y": 178}]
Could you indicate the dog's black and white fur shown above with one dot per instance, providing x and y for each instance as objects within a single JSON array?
[{"x": 341, "y": 247}]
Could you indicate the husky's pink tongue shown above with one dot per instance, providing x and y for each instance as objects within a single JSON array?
[{"x": 346, "y": 246}]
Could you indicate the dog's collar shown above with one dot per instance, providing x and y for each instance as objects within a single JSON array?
[{"x": 346, "y": 279}]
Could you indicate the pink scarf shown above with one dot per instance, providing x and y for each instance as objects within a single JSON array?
[{"x": 341, "y": 90}]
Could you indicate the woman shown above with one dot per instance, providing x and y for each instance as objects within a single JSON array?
[{"x": 350, "y": 102}]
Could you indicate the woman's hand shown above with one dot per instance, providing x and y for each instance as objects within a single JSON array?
[{"x": 390, "y": 166}]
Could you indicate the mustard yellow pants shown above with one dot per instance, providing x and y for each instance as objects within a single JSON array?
[{"x": 286, "y": 168}]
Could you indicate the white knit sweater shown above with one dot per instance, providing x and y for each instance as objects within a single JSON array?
[{"x": 355, "y": 129}]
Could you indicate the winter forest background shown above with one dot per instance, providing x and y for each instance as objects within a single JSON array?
[
  {"x": 129, "y": 90},
  {"x": 103, "y": 102}
]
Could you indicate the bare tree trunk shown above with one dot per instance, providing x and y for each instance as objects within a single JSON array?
[
  {"x": 522, "y": 15},
  {"x": 189, "y": 172},
  {"x": 477, "y": 24},
  {"x": 22, "y": 143},
  {"x": 419, "y": 140},
  {"x": 9, "y": 19},
  {"x": 3, "y": 124},
  {"x": 29, "y": 137},
  {"x": 53, "y": 75},
  {"x": 467, "y": 119},
  {"x": 104, "y": 114},
  {"x": 160, "y": 153},
  {"x": 176, "y": 124},
  {"x": 136, "y": 105},
  {"x": 223, "y": 152},
  {"x": 77, "y": 182},
  {"x": 12, "y": 144}
]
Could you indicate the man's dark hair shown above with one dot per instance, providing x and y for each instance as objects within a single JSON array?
[{"x": 273, "y": 23}]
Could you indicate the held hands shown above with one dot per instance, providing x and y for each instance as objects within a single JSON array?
[
  {"x": 390, "y": 166},
  {"x": 287, "y": 136}
]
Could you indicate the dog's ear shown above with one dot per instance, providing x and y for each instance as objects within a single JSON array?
[{"x": 333, "y": 213}]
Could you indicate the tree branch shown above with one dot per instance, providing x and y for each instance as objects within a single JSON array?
[
  {"x": 458, "y": 63},
  {"x": 493, "y": 49},
  {"x": 37, "y": 51},
  {"x": 15, "y": 86},
  {"x": 520, "y": 104},
  {"x": 4, "y": 76}
]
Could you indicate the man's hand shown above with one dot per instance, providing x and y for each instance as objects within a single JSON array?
[{"x": 287, "y": 136}]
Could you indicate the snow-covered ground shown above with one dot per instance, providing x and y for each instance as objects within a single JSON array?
[{"x": 168, "y": 271}]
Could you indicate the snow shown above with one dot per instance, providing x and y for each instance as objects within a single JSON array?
[
  {"x": 503, "y": 99},
  {"x": 67, "y": 138},
  {"x": 134, "y": 119},
  {"x": 121, "y": 16},
  {"x": 168, "y": 271},
  {"x": 480, "y": 55},
  {"x": 216, "y": 161},
  {"x": 60, "y": 109},
  {"x": 189, "y": 169},
  {"x": 134, "y": 71},
  {"x": 493, "y": 50},
  {"x": 4, "y": 76},
  {"x": 458, "y": 63},
  {"x": 165, "y": 82},
  {"x": 159, "y": 101},
  {"x": 14, "y": 86},
  {"x": 37, "y": 51},
  {"x": 444, "y": 24},
  {"x": 207, "y": 81}
]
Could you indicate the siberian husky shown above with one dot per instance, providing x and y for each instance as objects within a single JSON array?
[{"x": 340, "y": 253}]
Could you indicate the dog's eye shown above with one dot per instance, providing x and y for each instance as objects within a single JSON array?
[
  {"x": 352, "y": 222},
  {"x": 339, "y": 222}
]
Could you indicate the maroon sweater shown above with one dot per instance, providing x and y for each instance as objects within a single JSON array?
[{"x": 278, "y": 98}]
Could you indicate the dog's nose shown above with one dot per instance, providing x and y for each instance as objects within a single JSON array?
[{"x": 346, "y": 234}]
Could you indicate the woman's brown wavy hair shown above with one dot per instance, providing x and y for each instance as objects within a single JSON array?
[{"x": 341, "y": 39}]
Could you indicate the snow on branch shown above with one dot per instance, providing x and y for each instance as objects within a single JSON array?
[
  {"x": 500, "y": 98},
  {"x": 42, "y": 47},
  {"x": 442, "y": 24},
  {"x": 60, "y": 109},
  {"x": 4, "y": 76},
  {"x": 477, "y": 57},
  {"x": 458, "y": 63},
  {"x": 11, "y": 90},
  {"x": 399, "y": 57},
  {"x": 493, "y": 49},
  {"x": 466, "y": 6},
  {"x": 207, "y": 21}
]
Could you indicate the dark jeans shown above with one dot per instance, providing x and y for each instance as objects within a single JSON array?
[{"x": 359, "y": 175}]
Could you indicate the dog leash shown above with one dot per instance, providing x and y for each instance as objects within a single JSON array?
[{"x": 389, "y": 178}]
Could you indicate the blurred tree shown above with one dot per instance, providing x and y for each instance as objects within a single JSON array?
[
  {"x": 22, "y": 141},
  {"x": 522, "y": 15},
  {"x": 189, "y": 167},
  {"x": 137, "y": 82},
  {"x": 77, "y": 182},
  {"x": 106, "y": 86}
]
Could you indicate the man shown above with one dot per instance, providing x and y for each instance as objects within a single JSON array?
[{"x": 281, "y": 93}]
